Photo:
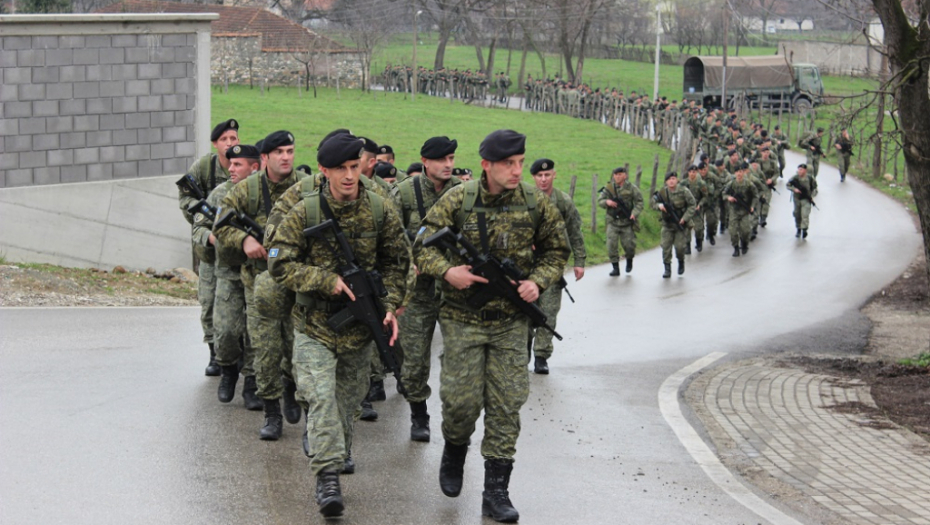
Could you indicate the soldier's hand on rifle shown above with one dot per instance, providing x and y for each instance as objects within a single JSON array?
[
  {"x": 796, "y": 190},
  {"x": 212, "y": 239},
  {"x": 731, "y": 199},
  {"x": 682, "y": 222},
  {"x": 528, "y": 290},
  {"x": 662, "y": 207},
  {"x": 579, "y": 272},
  {"x": 610, "y": 203},
  {"x": 460, "y": 277},
  {"x": 342, "y": 287},
  {"x": 390, "y": 325},
  {"x": 253, "y": 249}
]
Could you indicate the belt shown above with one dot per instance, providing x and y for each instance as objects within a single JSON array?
[{"x": 312, "y": 303}]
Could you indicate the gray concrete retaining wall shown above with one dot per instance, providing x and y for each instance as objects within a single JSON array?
[{"x": 834, "y": 59}]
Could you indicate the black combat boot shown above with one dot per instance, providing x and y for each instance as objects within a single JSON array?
[
  {"x": 227, "y": 389},
  {"x": 419, "y": 422},
  {"x": 271, "y": 430},
  {"x": 452, "y": 468},
  {"x": 688, "y": 248},
  {"x": 804, "y": 233},
  {"x": 495, "y": 500},
  {"x": 212, "y": 369},
  {"x": 699, "y": 245},
  {"x": 250, "y": 394},
  {"x": 376, "y": 391},
  {"x": 797, "y": 234},
  {"x": 681, "y": 266},
  {"x": 540, "y": 366},
  {"x": 616, "y": 269},
  {"x": 744, "y": 247},
  {"x": 763, "y": 220},
  {"x": 368, "y": 412},
  {"x": 292, "y": 409},
  {"x": 755, "y": 233},
  {"x": 668, "y": 271},
  {"x": 329, "y": 494},
  {"x": 736, "y": 251},
  {"x": 348, "y": 466},
  {"x": 629, "y": 264}
]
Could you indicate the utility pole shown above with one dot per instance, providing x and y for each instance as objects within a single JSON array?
[
  {"x": 726, "y": 37},
  {"x": 655, "y": 84},
  {"x": 416, "y": 83}
]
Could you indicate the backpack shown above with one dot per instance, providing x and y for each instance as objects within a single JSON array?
[{"x": 471, "y": 197}]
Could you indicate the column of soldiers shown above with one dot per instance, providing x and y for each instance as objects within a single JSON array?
[
  {"x": 273, "y": 287},
  {"x": 465, "y": 85}
]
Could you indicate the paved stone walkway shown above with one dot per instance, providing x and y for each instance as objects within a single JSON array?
[{"x": 865, "y": 470}]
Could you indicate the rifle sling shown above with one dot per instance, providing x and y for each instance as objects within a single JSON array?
[
  {"x": 482, "y": 225},
  {"x": 418, "y": 192},
  {"x": 266, "y": 195}
]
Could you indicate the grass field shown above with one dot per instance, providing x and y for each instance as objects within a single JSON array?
[{"x": 578, "y": 147}]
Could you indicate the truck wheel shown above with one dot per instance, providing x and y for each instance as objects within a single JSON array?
[{"x": 802, "y": 106}]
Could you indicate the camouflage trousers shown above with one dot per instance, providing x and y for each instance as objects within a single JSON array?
[
  {"x": 272, "y": 333},
  {"x": 484, "y": 366},
  {"x": 842, "y": 162},
  {"x": 781, "y": 163},
  {"x": 672, "y": 236},
  {"x": 623, "y": 236},
  {"x": 767, "y": 195},
  {"x": 417, "y": 326},
  {"x": 740, "y": 226},
  {"x": 230, "y": 324},
  {"x": 710, "y": 219},
  {"x": 333, "y": 381},
  {"x": 697, "y": 224},
  {"x": 813, "y": 163},
  {"x": 206, "y": 295},
  {"x": 550, "y": 302},
  {"x": 802, "y": 213}
]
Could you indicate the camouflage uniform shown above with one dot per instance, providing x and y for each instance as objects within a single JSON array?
[
  {"x": 702, "y": 197},
  {"x": 741, "y": 222},
  {"x": 802, "y": 207},
  {"x": 484, "y": 358},
  {"x": 683, "y": 202},
  {"x": 780, "y": 141},
  {"x": 621, "y": 230},
  {"x": 551, "y": 299},
  {"x": 332, "y": 368},
  {"x": 812, "y": 139}
]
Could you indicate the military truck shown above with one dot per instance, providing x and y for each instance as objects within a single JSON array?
[{"x": 770, "y": 81}]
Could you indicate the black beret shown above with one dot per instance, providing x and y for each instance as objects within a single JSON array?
[
  {"x": 384, "y": 149},
  {"x": 743, "y": 166},
  {"x": 339, "y": 149},
  {"x": 670, "y": 175},
  {"x": 541, "y": 165},
  {"x": 502, "y": 144},
  {"x": 621, "y": 169},
  {"x": 416, "y": 167},
  {"x": 259, "y": 145},
  {"x": 458, "y": 172},
  {"x": 764, "y": 148},
  {"x": 222, "y": 127},
  {"x": 693, "y": 167},
  {"x": 718, "y": 162},
  {"x": 777, "y": 126},
  {"x": 370, "y": 145},
  {"x": 438, "y": 147},
  {"x": 242, "y": 151},
  {"x": 802, "y": 166},
  {"x": 332, "y": 134},
  {"x": 385, "y": 170},
  {"x": 820, "y": 130},
  {"x": 701, "y": 166},
  {"x": 276, "y": 140}
]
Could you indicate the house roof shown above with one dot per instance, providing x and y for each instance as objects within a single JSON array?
[{"x": 278, "y": 33}]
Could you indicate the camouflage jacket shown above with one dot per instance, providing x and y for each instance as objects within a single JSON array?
[
  {"x": 409, "y": 211},
  {"x": 572, "y": 220},
  {"x": 629, "y": 194},
  {"x": 511, "y": 234},
  {"x": 203, "y": 226},
  {"x": 681, "y": 199},
  {"x": 698, "y": 189},
  {"x": 746, "y": 191},
  {"x": 200, "y": 170},
  {"x": 807, "y": 182},
  {"x": 311, "y": 267}
]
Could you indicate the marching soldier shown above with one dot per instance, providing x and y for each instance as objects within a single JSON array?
[
  {"x": 812, "y": 142},
  {"x": 844, "y": 146},
  {"x": 698, "y": 188},
  {"x": 624, "y": 203},
  {"x": 805, "y": 189},
  {"x": 742, "y": 196},
  {"x": 677, "y": 207}
]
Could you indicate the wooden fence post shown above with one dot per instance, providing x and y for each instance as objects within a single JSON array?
[
  {"x": 594, "y": 203},
  {"x": 655, "y": 174},
  {"x": 571, "y": 187},
  {"x": 639, "y": 174}
]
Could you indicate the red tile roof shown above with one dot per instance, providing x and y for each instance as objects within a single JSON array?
[{"x": 278, "y": 33}]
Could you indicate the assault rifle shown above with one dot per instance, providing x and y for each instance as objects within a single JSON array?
[
  {"x": 772, "y": 185},
  {"x": 189, "y": 186},
  {"x": 670, "y": 211},
  {"x": 501, "y": 275},
  {"x": 241, "y": 221},
  {"x": 806, "y": 195},
  {"x": 621, "y": 211},
  {"x": 368, "y": 288},
  {"x": 730, "y": 192},
  {"x": 564, "y": 284}
]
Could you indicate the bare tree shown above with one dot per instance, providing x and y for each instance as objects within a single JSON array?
[
  {"x": 572, "y": 20},
  {"x": 446, "y": 16},
  {"x": 364, "y": 25},
  {"x": 310, "y": 51}
]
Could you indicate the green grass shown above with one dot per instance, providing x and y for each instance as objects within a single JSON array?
[
  {"x": 579, "y": 147},
  {"x": 922, "y": 360}
]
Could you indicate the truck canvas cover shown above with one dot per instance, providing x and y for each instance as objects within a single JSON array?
[{"x": 742, "y": 72}]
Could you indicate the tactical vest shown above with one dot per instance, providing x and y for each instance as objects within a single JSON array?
[{"x": 471, "y": 197}]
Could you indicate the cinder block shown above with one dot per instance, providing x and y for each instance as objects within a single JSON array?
[
  {"x": 17, "y": 75},
  {"x": 62, "y": 90},
  {"x": 151, "y": 103},
  {"x": 150, "y": 71},
  {"x": 71, "y": 42},
  {"x": 86, "y": 155},
  {"x": 125, "y": 104},
  {"x": 99, "y": 72},
  {"x": 124, "y": 40},
  {"x": 16, "y": 178},
  {"x": 47, "y": 175},
  {"x": 73, "y": 74},
  {"x": 150, "y": 168},
  {"x": 138, "y": 120},
  {"x": 100, "y": 106},
  {"x": 17, "y": 109},
  {"x": 27, "y": 126},
  {"x": 162, "y": 151},
  {"x": 45, "y": 42},
  {"x": 99, "y": 172},
  {"x": 33, "y": 57},
  {"x": 59, "y": 57},
  {"x": 125, "y": 72},
  {"x": 99, "y": 138},
  {"x": 110, "y": 154},
  {"x": 17, "y": 42},
  {"x": 98, "y": 41},
  {"x": 9, "y": 92},
  {"x": 112, "y": 55},
  {"x": 8, "y": 161},
  {"x": 113, "y": 122},
  {"x": 162, "y": 119},
  {"x": 73, "y": 140},
  {"x": 162, "y": 86},
  {"x": 74, "y": 173},
  {"x": 126, "y": 137},
  {"x": 150, "y": 136},
  {"x": 139, "y": 152},
  {"x": 174, "y": 40},
  {"x": 31, "y": 92},
  {"x": 45, "y": 108},
  {"x": 32, "y": 159},
  {"x": 113, "y": 88},
  {"x": 86, "y": 89},
  {"x": 45, "y": 75},
  {"x": 185, "y": 54},
  {"x": 125, "y": 170},
  {"x": 137, "y": 88},
  {"x": 175, "y": 134},
  {"x": 87, "y": 123},
  {"x": 17, "y": 143},
  {"x": 176, "y": 165},
  {"x": 184, "y": 118},
  {"x": 73, "y": 107},
  {"x": 8, "y": 58},
  {"x": 86, "y": 56},
  {"x": 59, "y": 124},
  {"x": 173, "y": 102},
  {"x": 139, "y": 55},
  {"x": 163, "y": 54},
  {"x": 174, "y": 70},
  {"x": 60, "y": 157},
  {"x": 10, "y": 126},
  {"x": 44, "y": 142},
  {"x": 184, "y": 86}
]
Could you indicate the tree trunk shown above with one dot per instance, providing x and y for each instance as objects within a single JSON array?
[
  {"x": 444, "y": 35},
  {"x": 522, "y": 65},
  {"x": 492, "y": 49}
]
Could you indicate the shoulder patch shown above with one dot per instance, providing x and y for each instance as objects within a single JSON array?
[{"x": 272, "y": 253}]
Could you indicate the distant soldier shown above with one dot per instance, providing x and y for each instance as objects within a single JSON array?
[
  {"x": 677, "y": 207},
  {"x": 769, "y": 170},
  {"x": 711, "y": 208},
  {"x": 698, "y": 188},
  {"x": 503, "y": 83},
  {"x": 543, "y": 172},
  {"x": 780, "y": 143},
  {"x": 742, "y": 196},
  {"x": 624, "y": 203},
  {"x": 844, "y": 147},
  {"x": 811, "y": 143},
  {"x": 805, "y": 189}
]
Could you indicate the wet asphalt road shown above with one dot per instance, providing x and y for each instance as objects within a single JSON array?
[{"x": 105, "y": 416}]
